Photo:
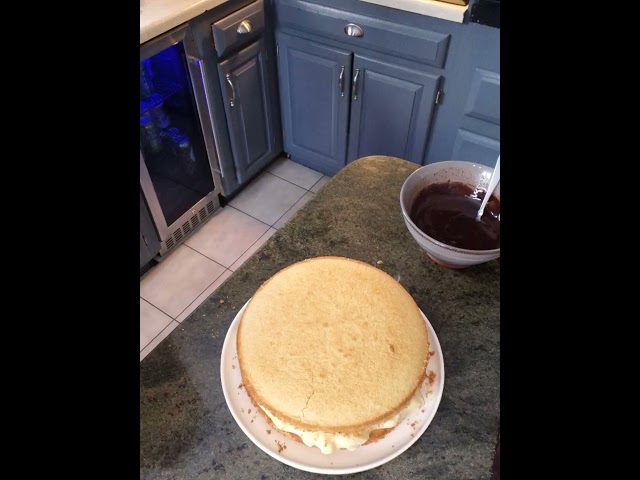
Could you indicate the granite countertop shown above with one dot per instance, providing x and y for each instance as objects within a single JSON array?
[
  {"x": 159, "y": 16},
  {"x": 186, "y": 429}
]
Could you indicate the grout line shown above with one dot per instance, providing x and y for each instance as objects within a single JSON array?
[
  {"x": 233, "y": 271},
  {"x": 158, "y": 335},
  {"x": 167, "y": 314},
  {"x": 227, "y": 268},
  {"x": 172, "y": 320},
  {"x": 208, "y": 258},
  {"x": 248, "y": 214},
  {"x": 205, "y": 289},
  {"x": 323, "y": 175},
  {"x": 308, "y": 191},
  {"x": 286, "y": 213},
  {"x": 289, "y": 181}
]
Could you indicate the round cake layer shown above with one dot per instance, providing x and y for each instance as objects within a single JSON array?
[{"x": 332, "y": 344}]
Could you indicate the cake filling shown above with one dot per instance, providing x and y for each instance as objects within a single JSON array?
[{"x": 329, "y": 442}]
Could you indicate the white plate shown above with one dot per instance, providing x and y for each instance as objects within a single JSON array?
[{"x": 311, "y": 459}]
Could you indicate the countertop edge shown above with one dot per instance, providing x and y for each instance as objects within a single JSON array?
[
  {"x": 159, "y": 18},
  {"x": 430, "y": 8}
]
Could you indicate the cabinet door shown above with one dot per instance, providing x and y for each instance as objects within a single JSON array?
[
  {"x": 249, "y": 101},
  {"x": 391, "y": 110},
  {"x": 149, "y": 242},
  {"x": 314, "y": 101}
]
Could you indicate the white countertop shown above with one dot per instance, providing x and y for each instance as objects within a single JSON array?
[
  {"x": 159, "y": 16},
  {"x": 431, "y": 8}
]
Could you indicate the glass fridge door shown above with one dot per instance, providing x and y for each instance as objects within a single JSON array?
[{"x": 171, "y": 137}]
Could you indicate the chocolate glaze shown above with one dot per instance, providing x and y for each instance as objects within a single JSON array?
[{"x": 447, "y": 212}]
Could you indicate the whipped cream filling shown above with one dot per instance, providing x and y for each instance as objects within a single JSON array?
[{"x": 329, "y": 442}]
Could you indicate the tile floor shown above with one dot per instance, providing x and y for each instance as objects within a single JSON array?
[{"x": 173, "y": 289}]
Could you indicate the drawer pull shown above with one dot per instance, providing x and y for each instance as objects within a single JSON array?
[
  {"x": 244, "y": 27},
  {"x": 353, "y": 30},
  {"x": 233, "y": 91},
  {"x": 354, "y": 89}
]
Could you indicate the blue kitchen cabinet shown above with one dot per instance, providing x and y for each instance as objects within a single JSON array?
[
  {"x": 337, "y": 106},
  {"x": 353, "y": 83},
  {"x": 250, "y": 109},
  {"x": 428, "y": 89},
  {"x": 468, "y": 123},
  {"x": 391, "y": 109},
  {"x": 314, "y": 84}
]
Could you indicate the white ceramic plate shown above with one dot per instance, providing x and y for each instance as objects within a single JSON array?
[{"x": 311, "y": 459}]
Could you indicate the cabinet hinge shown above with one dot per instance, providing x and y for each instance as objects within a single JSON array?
[
  {"x": 277, "y": 50},
  {"x": 145, "y": 240},
  {"x": 438, "y": 95}
]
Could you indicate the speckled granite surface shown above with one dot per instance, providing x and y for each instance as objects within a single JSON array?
[{"x": 186, "y": 430}]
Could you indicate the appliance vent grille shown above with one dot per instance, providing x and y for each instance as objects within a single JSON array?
[{"x": 187, "y": 227}]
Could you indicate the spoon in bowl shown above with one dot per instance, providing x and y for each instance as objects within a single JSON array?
[{"x": 495, "y": 179}]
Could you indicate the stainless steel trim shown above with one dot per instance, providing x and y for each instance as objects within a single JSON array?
[
  {"x": 244, "y": 27},
  {"x": 353, "y": 30},
  {"x": 165, "y": 232},
  {"x": 341, "y": 81},
  {"x": 354, "y": 91},
  {"x": 150, "y": 48},
  {"x": 152, "y": 200},
  {"x": 233, "y": 90},
  {"x": 203, "y": 77},
  {"x": 187, "y": 218}
]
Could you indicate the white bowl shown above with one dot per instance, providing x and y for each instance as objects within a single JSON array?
[{"x": 472, "y": 174}]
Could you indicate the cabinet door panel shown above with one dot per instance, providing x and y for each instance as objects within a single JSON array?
[
  {"x": 247, "y": 85},
  {"x": 391, "y": 110},
  {"x": 472, "y": 147},
  {"x": 314, "y": 110}
]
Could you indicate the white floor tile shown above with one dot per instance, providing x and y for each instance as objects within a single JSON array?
[
  {"x": 267, "y": 198},
  {"x": 294, "y": 172},
  {"x": 253, "y": 249},
  {"x": 227, "y": 235},
  {"x": 156, "y": 341},
  {"x": 179, "y": 280},
  {"x": 298, "y": 205},
  {"x": 204, "y": 295},
  {"x": 152, "y": 322},
  {"x": 319, "y": 184}
]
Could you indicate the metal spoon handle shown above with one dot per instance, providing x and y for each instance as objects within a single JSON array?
[{"x": 495, "y": 179}]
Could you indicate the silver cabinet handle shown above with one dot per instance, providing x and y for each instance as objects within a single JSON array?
[
  {"x": 233, "y": 91},
  {"x": 354, "y": 90},
  {"x": 353, "y": 30},
  {"x": 244, "y": 27},
  {"x": 198, "y": 62},
  {"x": 341, "y": 81}
]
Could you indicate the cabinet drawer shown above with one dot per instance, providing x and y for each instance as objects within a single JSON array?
[
  {"x": 418, "y": 44},
  {"x": 239, "y": 28}
]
